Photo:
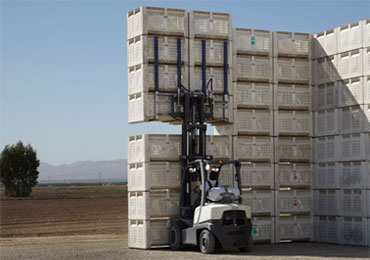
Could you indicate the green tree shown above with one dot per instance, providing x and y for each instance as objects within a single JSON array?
[{"x": 18, "y": 169}]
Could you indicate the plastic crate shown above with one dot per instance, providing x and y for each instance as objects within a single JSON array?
[
  {"x": 353, "y": 231},
  {"x": 147, "y": 233},
  {"x": 354, "y": 147},
  {"x": 250, "y": 121},
  {"x": 350, "y": 36},
  {"x": 261, "y": 201},
  {"x": 217, "y": 76},
  {"x": 292, "y": 44},
  {"x": 325, "y": 70},
  {"x": 366, "y": 38},
  {"x": 293, "y": 175},
  {"x": 327, "y": 202},
  {"x": 354, "y": 175},
  {"x": 252, "y": 41},
  {"x": 327, "y": 229},
  {"x": 326, "y": 176},
  {"x": 253, "y": 95},
  {"x": 293, "y": 123},
  {"x": 326, "y": 122},
  {"x": 290, "y": 70},
  {"x": 294, "y": 228},
  {"x": 210, "y": 25},
  {"x": 253, "y": 68},
  {"x": 153, "y": 175},
  {"x": 350, "y": 64},
  {"x": 326, "y": 96},
  {"x": 149, "y": 204},
  {"x": 354, "y": 202},
  {"x": 293, "y": 201},
  {"x": 222, "y": 112},
  {"x": 253, "y": 148},
  {"x": 146, "y": 148},
  {"x": 366, "y": 61},
  {"x": 325, "y": 43},
  {"x": 219, "y": 146},
  {"x": 141, "y": 78},
  {"x": 293, "y": 149},
  {"x": 291, "y": 96},
  {"x": 263, "y": 229},
  {"x": 140, "y": 50},
  {"x": 351, "y": 92},
  {"x": 214, "y": 52},
  {"x": 327, "y": 149},
  {"x": 154, "y": 20},
  {"x": 257, "y": 175},
  {"x": 353, "y": 119}
]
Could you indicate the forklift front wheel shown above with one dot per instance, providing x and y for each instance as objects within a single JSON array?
[
  {"x": 174, "y": 236},
  {"x": 207, "y": 242},
  {"x": 249, "y": 246}
]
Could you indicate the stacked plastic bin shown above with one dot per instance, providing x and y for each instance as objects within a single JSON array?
[
  {"x": 342, "y": 168},
  {"x": 293, "y": 136}
]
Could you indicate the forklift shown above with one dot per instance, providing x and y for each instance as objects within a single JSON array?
[{"x": 214, "y": 217}]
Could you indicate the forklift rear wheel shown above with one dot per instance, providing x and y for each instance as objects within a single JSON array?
[
  {"x": 207, "y": 242},
  {"x": 249, "y": 246},
  {"x": 174, "y": 236}
]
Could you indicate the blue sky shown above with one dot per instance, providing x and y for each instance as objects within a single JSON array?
[{"x": 63, "y": 72}]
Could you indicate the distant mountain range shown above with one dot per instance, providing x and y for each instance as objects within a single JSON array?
[{"x": 90, "y": 171}]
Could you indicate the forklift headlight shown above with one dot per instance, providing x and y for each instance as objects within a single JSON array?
[{"x": 208, "y": 167}]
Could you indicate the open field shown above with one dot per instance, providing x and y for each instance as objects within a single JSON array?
[{"x": 91, "y": 223}]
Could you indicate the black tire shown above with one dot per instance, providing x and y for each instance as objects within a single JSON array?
[
  {"x": 207, "y": 242},
  {"x": 174, "y": 236},
  {"x": 249, "y": 246}
]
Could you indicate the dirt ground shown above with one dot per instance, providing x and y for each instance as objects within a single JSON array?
[{"x": 92, "y": 227}]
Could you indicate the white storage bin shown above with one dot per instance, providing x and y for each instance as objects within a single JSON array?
[
  {"x": 292, "y": 70},
  {"x": 350, "y": 36},
  {"x": 292, "y": 44},
  {"x": 353, "y": 231},
  {"x": 250, "y": 121},
  {"x": 293, "y": 175},
  {"x": 210, "y": 25},
  {"x": 153, "y": 175},
  {"x": 327, "y": 229},
  {"x": 257, "y": 175},
  {"x": 214, "y": 52},
  {"x": 293, "y": 123},
  {"x": 326, "y": 96},
  {"x": 253, "y": 68},
  {"x": 146, "y": 148},
  {"x": 253, "y": 95},
  {"x": 350, "y": 64},
  {"x": 291, "y": 96},
  {"x": 366, "y": 61},
  {"x": 326, "y": 176},
  {"x": 148, "y": 204},
  {"x": 354, "y": 147},
  {"x": 141, "y": 78},
  {"x": 222, "y": 112},
  {"x": 351, "y": 92},
  {"x": 325, "y": 70},
  {"x": 252, "y": 148},
  {"x": 294, "y": 228},
  {"x": 261, "y": 201},
  {"x": 327, "y": 202},
  {"x": 141, "y": 108},
  {"x": 140, "y": 50},
  {"x": 252, "y": 41},
  {"x": 263, "y": 229},
  {"x": 327, "y": 149},
  {"x": 219, "y": 146},
  {"x": 293, "y": 149},
  {"x": 293, "y": 201},
  {"x": 326, "y": 122},
  {"x": 147, "y": 233},
  {"x": 154, "y": 20},
  {"x": 354, "y": 175},
  {"x": 325, "y": 43},
  {"x": 214, "y": 74},
  {"x": 354, "y": 202},
  {"x": 353, "y": 119}
]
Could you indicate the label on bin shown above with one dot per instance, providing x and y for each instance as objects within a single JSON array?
[
  {"x": 255, "y": 231},
  {"x": 253, "y": 40}
]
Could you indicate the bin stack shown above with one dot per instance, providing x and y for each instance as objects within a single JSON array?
[
  {"x": 342, "y": 167},
  {"x": 293, "y": 132}
]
